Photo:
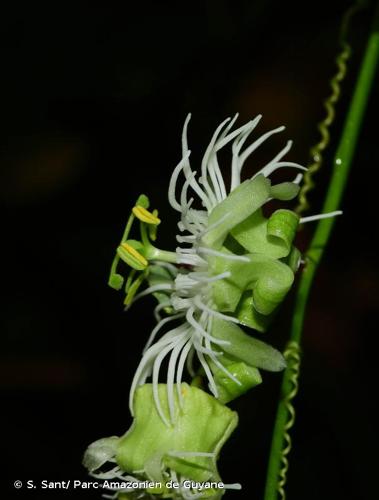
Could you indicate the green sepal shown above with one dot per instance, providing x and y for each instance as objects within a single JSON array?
[
  {"x": 202, "y": 424},
  {"x": 240, "y": 204},
  {"x": 245, "y": 348},
  {"x": 285, "y": 191}
]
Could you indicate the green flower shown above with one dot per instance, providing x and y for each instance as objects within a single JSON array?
[
  {"x": 232, "y": 264},
  {"x": 231, "y": 270}
]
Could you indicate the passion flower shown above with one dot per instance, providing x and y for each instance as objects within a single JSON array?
[{"x": 233, "y": 267}]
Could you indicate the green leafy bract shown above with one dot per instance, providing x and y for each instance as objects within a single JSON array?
[{"x": 201, "y": 425}]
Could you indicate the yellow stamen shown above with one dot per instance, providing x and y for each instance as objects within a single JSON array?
[
  {"x": 134, "y": 253},
  {"x": 145, "y": 216}
]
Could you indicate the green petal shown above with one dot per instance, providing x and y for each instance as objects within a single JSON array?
[
  {"x": 242, "y": 202},
  {"x": 281, "y": 228},
  {"x": 272, "y": 237},
  {"x": 245, "y": 348}
]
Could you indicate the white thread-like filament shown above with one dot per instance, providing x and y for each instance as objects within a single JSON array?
[{"x": 312, "y": 218}]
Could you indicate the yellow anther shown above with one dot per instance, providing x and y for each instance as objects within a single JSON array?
[
  {"x": 134, "y": 253},
  {"x": 145, "y": 216}
]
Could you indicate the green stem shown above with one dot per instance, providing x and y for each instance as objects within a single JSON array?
[{"x": 342, "y": 162}]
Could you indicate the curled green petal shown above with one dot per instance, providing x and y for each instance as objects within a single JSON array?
[
  {"x": 271, "y": 237},
  {"x": 282, "y": 226}
]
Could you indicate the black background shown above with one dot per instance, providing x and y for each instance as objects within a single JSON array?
[{"x": 93, "y": 98}]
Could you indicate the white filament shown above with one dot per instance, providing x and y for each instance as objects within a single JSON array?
[{"x": 311, "y": 218}]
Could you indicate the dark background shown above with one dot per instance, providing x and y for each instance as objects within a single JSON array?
[{"x": 93, "y": 98}]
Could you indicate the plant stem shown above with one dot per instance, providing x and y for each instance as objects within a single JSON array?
[{"x": 341, "y": 166}]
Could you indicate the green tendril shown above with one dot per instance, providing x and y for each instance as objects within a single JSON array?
[
  {"x": 280, "y": 446},
  {"x": 292, "y": 355},
  {"x": 316, "y": 151}
]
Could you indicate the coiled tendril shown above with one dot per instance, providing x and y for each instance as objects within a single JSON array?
[
  {"x": 316, "y": 151},
  {"x": 293, "y": 358}
]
